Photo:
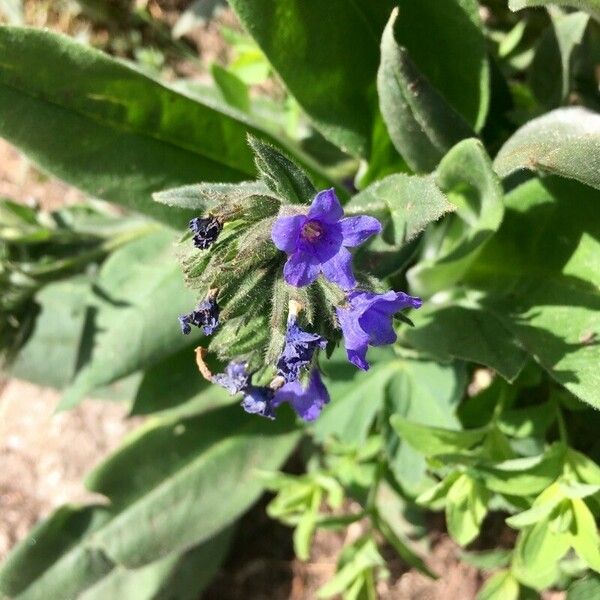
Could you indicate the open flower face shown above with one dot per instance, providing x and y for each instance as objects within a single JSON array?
[
  {"x": 317, "y": 242},
  {"x": 367, "y": 321}
]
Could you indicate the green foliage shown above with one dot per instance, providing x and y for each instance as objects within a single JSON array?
[{"x": 472, "y": 134}]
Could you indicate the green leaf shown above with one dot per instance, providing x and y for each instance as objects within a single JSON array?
[
  {"x": 202, "y": 197},
  {"x": 234, "y": 90},
  {"x": 424, "y": 392},
  {"x": 466, "y": 176},
  {"x": 524, "y": 476},
  {"x": 544, "y": 287},
  {"x": 466, "y": 507},
  {"x": 466, "y": 332},
  {"x": 587, "y": 588},
  {"x": 555, "y": 54},
  {"x": 50, "y": 355},
  {"x": 501, "y": 586},
  {"x": 280, "y": 174},
  {"x": 448, "y": 46},
  {"x": 139, "y": 136},
  {"x": 432, "y": 441},
  {"x": 590, "y": 6},
  {"x": 180, "y": 575},
  {"x": 487, "y": 560},
  {"x": 407, "y": 202},
  {"x": 339, "y": 45},
  {"x": 585, "y": 539},
  {"x": 537, "y": 553},
  {"x": 421, "y": 124},
  {"x": 564, "y": 142},
  {"x": 132, "y": 318}
]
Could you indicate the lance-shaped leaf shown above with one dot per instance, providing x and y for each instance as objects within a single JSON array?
[
  {"x": 111, "y": 131},
  {"x": 449, "y": 48},
  {"x": 422, "y": 125},
  {"x": 173, "y": 485},
  {"x": 590, "y": 6},
  {"x": 132, "y": 314},
  {"x": 563, "y": 142},
  {"x": 337, "y": 44},
  {"x": 466, "y": 176}
]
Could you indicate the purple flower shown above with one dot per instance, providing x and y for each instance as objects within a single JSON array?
[
  {"x": 316, "y": 242},
  {"x": 367, "y": 321},
  {"x": 307, "y": 402},
  {"x": 205, "y": 315},
  {"x": 235, "y": 379},
  {"x": 259, "y": 401},
  {"x": 298, "y": 351},
  {"x": 206, "y": 230}
]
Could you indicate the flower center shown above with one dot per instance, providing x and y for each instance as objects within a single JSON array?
[{"x": 312, "y": 231}]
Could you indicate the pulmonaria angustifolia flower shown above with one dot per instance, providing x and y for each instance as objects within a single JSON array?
[
  {"x": 235, "y": 379},
  {"x": 317, "y": 242},
  {"x": 206, "y": 230},
  {"x": 205, "y": 316},
  {"x": 259, "y": 401},
  {"x": 307, "y": 402},
  {"x": 298, "y": 350},
  {"x": 367, "y": 321}
]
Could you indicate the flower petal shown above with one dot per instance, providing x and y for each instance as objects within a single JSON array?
[
  {"x": 355, "y": 339},
  {"x": 286, "y": 231},
  {"x": 329, "y": 244},
  {"x": 326, "y": 207},
  {"x": 338, "y": 269},
  {"x": 358, "y": 229},
  {"x": 301, "y": 269},
  {"x": 378, "y": 325}
]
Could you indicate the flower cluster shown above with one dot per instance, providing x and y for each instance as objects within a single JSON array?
[{"x": 316, "y": 244}]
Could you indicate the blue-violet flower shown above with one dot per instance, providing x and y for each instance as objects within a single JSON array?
[
  {"x": 317, "y": 242},
  {"x": 307, "y": 402},
  {"x": 298, "y": 350},
  {"x": 259, "y": 401},
  {"x": 367, "y": 321},
  {"x": 235, "y": 379},
  {"x": 205, "y": 315},
  {"x": 206, "y": 230}
]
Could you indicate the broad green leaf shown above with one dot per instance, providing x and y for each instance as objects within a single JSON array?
[
  {"x": 590, "y": 6},
  {"x": 465, "y": 175},
  {"x": 432, "y": 441},
  {"x": 466, "y": 332},
  {"x": 338, "y": 43},
  {"x": 172, "y": 485},
  {"x": 408, "y": 203},
  {"x": 544, "y": 287},
  {"x": 108, "y": 129},
  {"x": 487, "y": 560},
  {"x": 421, "y": 124},
  {"x": 555, "y": 53},
  {"x": 538, "y": 512},
  {"x": 425, "y": 392},
  {"x": 132, "y": 314},
  {"x": 180, "y": 575},
  {"x": 563, "y": 142},
  {"x": 175, "y": 385},
  {"x": 449, "y": 48},
  {"x": 501, "y": 586},
  {"x": 50, "y": 355}
]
